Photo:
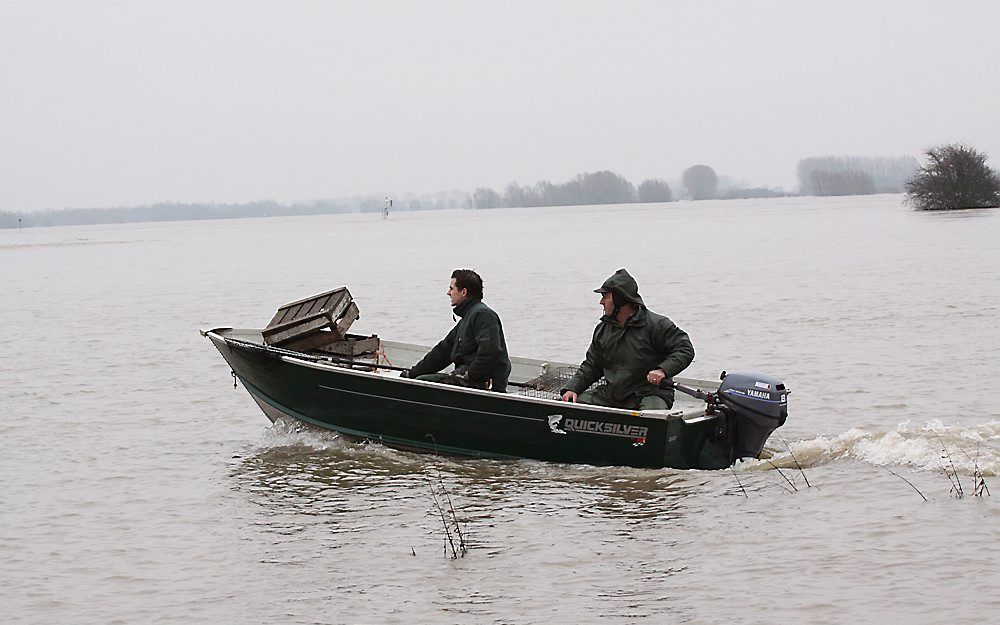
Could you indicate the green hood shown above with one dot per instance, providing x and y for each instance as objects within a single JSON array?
[{"x": 625, "y": 284}]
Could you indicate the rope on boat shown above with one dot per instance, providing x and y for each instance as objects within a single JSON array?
[{"x": 381, "y": 354}]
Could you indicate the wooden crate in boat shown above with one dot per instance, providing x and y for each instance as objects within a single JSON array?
[
  {"x": 352, "y": 346},
  {"x": 312, "y": 322}
]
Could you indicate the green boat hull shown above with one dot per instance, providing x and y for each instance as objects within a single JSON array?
[{"x": 423, "y": 416}]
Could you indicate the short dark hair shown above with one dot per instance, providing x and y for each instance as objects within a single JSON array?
[{"x": 470, "y": 280}]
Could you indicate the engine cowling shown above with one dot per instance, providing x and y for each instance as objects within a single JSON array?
[{"x": 758, "y": 405}]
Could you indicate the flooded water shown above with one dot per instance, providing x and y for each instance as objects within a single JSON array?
[{"x": 140, "y": 486}]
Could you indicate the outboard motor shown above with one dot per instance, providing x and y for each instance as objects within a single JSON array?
[
  {"x": 753, "y": 405},
  {"x": 758, "y": 405}
]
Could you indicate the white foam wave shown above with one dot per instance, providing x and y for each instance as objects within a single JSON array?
[
  {"x": 294, "y": 433},
  {"x": 928, "y": 447},
  {"x": 933, "y": 446}
]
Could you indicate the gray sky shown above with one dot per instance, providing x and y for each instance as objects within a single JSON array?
[{"x": 132, "y": 102}]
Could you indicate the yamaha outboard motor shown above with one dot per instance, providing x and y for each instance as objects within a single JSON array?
[
  {"x": 758, "y": 405},
  {"x": 751, "y": 405}
]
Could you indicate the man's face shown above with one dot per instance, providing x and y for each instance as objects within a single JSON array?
[
  {"x": 456, "y": 294},
  {"x": 608, "y": 302}
]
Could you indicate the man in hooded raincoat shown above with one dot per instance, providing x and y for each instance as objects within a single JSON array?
[{"x": 634, "y": 349}]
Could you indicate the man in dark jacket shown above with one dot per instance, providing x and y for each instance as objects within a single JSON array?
[
  {"x": 475, "y": 345},
  {"x": 634, "y": 349}
]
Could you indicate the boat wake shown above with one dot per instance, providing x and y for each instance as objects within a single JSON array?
[
  {"x": 292, "y": 437},
  {"x": 287, "y": 432},
  {"x": 929, "y": 447}
]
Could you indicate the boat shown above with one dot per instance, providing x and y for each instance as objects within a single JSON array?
[{"x": 356, "y": 390}]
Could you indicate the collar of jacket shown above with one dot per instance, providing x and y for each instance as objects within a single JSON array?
[
  {"x": 637, "y": 318},
  {"x": 464, "y": 307}
]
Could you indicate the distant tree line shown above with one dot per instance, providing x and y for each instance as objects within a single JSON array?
[
  {"x": 180, "y": 211},
  {"x": 601, "y": 187},
  {"x": 854, "y": 175},
  {"x": 698, "y": 182},
  {"x": 828, "y": 175}
]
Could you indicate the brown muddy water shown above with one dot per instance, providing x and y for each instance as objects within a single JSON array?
[{"x": 140, "y": 487}]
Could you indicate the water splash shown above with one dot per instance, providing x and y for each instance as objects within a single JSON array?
[
  {"x": 290, "y": 437},
  {"x": 921, "y": 447},
  {"x": 294, "y": 433}
]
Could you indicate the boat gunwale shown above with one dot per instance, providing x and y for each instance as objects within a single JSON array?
[{"x": 306, "y": 360}]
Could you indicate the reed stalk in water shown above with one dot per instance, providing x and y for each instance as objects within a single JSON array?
[
  {"x": 904, "y": 479},
  {"x": 795, "y": 460},
  {"x": 449, "y": 541},
  {"x": 979, "y": 486},
  {"x": 463, "y": 547},
  {"x": 781, "y": 473},
  {"x": 737, "y": 476},
  {"x": 952, "y": 475}
]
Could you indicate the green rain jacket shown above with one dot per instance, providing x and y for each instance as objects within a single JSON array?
[
  {"x": 476, "y": 345},
  {"x": 625, "y": 354}
]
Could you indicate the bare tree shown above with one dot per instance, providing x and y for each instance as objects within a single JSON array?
[
  {"x": 601, "y": 187},
  {"x": 654, "y": 191},
  {"x": 844, "y": 182},
  {"x": 514, "y": 196},
  {"x": 954, "y": 176},
  {"x": 700, "y": 182},
  {"x": 485, "y": 198},
  {"x": 854, "y": 175}
]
